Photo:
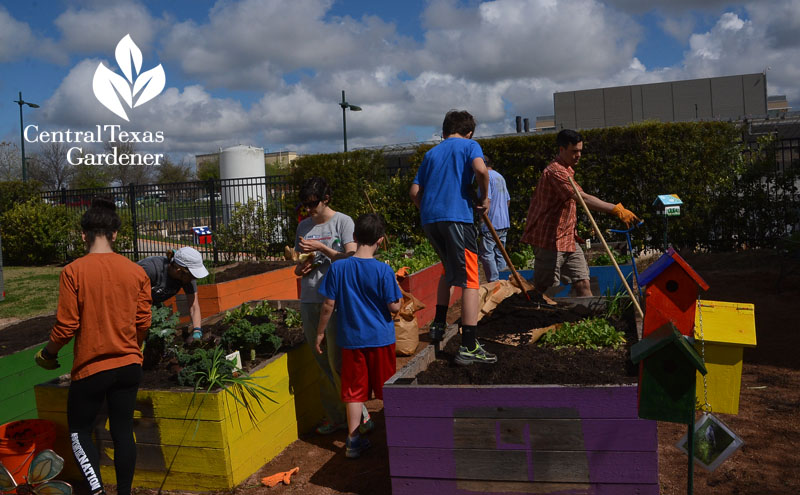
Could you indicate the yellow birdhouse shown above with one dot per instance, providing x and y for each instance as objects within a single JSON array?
[{"x": 725, "y": 328}]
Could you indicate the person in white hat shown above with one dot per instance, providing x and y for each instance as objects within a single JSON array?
[{"x": 177, "y": 270}]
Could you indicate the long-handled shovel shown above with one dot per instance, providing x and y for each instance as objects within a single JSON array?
[
  {"x": 608, "y": 251},
  {"x": 496, "y": 237}
]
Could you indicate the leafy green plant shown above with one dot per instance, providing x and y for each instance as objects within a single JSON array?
[
  {"x": 522, "y": 257},
  {"x": 163, "y": 324},
  {"x": 237, "y": 314},
  {"x": 292, "y": 318},
  {"x": 209, "y": 370},
  {"x": 417, "y": 258},
  {"x": 617, "y": 304},
  {"x": 263, "y": 310},
  {"x": 245, "y": 336},
  {"x": 604, "y": 259},
  {"x": 591, "y": 333}
]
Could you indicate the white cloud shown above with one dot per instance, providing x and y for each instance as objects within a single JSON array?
[
  {"x": 98, "y": 27},
  {"x": 17, "y": 41},
  {"x": 679, "y": 27},
  {"x": 526, "y": 38}
]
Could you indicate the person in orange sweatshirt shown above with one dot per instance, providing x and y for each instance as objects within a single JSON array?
[{"x": 104, "y": 304}]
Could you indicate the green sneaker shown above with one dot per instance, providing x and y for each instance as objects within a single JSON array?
[
  {"x": 477, "y": 355},
  {"x": 436, "y": 331}
]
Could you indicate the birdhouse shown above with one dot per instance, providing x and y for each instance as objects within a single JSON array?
[
  {"x": 667, "y": 375},
  {"x": 671, "y": 294},
  {"x": 668, "y": 205},
  {"x": 202, "y": 235},
  {"x": 726, "y": 328}
]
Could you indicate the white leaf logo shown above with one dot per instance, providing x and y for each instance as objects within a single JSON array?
[{"x": 109, "y": 87}]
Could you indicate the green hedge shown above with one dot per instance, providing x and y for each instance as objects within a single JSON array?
[{"x": 732, "y": 198}]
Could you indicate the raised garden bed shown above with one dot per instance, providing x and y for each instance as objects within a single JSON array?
[
  {"x": 241, "y": 282},
  {"x": 538, "y": 421},
  {"x": 197, "y": 441}
]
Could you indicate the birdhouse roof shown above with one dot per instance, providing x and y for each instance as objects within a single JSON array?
[
  {"x": 666, "y": 335},
  {"x": 727, "y": 323},
  {"x": 666, "y": 260}
]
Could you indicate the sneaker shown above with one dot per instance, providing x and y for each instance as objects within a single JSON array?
[
  {"x": 366, "y": 427},
  {"x": 326, "y": 427},
  {"x": 477, "y": 355},
  {"x": 436, "y": 331},
  {"x": 355, "y": 446}
]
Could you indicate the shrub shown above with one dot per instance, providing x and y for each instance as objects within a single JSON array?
[
  {"x": 255, "y": 227},
  {"x": 36, "y": 233},
  {"x": 416, "y": 258}
]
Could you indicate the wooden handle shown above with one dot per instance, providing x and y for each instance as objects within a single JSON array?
[
  {"x": 610, "y": 255},
  {"x": 505, "y": 254}
]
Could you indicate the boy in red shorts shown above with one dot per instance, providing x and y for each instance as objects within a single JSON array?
[{"x": 364, "y": 293}]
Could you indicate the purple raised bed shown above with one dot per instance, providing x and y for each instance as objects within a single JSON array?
[{"x": 542, "y": 439}]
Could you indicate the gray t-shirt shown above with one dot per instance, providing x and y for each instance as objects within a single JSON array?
[
  {"x": 334, "y": 233},
  {"x": 162, "y": 287}
]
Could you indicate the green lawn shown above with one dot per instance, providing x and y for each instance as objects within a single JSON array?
[{"x": 30, "y": 291}]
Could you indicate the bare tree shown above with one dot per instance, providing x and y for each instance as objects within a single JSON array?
[
  {"x": 125, "y": 174},
  {"x": 10, "y": 162},
  {"x": 50, "y": 165},
  {"x": 172, "y": 172}
]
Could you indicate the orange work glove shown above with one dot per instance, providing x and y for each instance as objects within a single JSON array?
[
  {"x": 624, "y": 214},
  {"x": 276, "y": 478}
]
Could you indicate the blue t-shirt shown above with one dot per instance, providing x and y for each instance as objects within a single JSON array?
[
  {"x": 498, "y": 210},
  {"x": 362, "y": 289},
  {"x": 445, "y": 177}
]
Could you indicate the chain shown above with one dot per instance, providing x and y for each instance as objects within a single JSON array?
[{"x": 706, "y": 407}]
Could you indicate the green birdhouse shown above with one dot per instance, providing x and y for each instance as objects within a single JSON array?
[{"x": 667, "y": 375}]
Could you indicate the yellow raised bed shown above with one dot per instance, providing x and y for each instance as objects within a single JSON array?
[{"x": 202, "y": 442}]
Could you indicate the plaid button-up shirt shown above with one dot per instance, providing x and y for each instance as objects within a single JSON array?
[{"x": 552, "y": 211}]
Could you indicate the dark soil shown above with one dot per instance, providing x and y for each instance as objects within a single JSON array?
[
  {"x": 247, "y": 268},
  {"x": 506, "y": 332},
  {"x": 25, "y": 334}
]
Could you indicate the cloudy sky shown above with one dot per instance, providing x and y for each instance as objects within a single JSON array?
[{"x": 270, "y": 73}]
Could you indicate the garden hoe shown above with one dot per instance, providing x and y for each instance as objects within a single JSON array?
[
  {"x": 608, "y": 250},
  {"x": 524, "y": 286}
]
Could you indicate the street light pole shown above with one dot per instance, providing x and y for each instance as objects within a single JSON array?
[
  {"x": 22, "y": 133},
  {"x": 345, "y": 106}
]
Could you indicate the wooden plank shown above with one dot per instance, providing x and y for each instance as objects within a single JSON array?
[
  {"x": 175, "y": 480},
  {"x": 516, "y": 412},
  {"x": 416, "y": 364},
  {"x": 517, "y": 465},
  {"x": 598, "y": 434},
  {"x": 618, "y": 401},
  {"x": 416, "y": 486},
  {"x": 604, "y": 467}
]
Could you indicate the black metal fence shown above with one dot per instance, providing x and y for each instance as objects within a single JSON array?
[{"x": 162, "y": 216}]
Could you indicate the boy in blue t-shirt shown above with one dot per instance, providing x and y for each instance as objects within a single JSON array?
[
  {"x": 365, "y": 294},
  {"x": 443, "y": 192}
]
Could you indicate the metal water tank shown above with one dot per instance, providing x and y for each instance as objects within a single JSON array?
[{"x": 242, "y": 170}]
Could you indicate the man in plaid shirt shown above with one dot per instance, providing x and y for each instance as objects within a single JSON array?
[{"x": 550, "y": 226}]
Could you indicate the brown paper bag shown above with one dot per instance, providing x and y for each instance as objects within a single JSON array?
[{"x": 406, "y": 326}]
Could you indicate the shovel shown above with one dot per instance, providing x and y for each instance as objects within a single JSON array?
[{"x": 517, "y": 278}]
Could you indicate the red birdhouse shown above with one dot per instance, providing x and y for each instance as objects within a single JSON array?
[{"x": 671, "y": 294}]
